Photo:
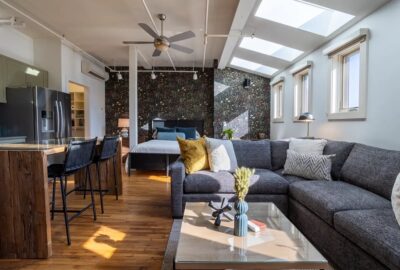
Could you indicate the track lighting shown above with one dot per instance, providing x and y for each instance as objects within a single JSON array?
[
  {"x": 119, "y": 76},
  {"x": 195, "y": 76},
  {"x": 153, "y": 75}
]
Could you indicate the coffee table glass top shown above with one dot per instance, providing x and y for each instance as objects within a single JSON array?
[{"x": 203, "y": 245}]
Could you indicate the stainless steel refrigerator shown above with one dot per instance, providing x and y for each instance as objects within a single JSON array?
[{"x": 40, "y": 114}]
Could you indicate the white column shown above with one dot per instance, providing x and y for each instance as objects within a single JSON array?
[{"x": 133, "y": 97}]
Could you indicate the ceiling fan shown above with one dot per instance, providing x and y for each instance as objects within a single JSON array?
[{"x": 161, "y": 42}]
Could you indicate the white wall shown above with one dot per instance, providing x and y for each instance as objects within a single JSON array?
[
  {"x": 15, "y": 44},
  {"x": 382, "y": 127},
  {"x": 94, "y": 96}
]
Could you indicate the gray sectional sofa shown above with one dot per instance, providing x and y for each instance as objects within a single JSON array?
[{"x": 350, "y": 220}]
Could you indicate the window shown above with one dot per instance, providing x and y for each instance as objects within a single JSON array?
[
  {"x": 348, "y": 94},
  {"x": 277, "y": 104},
  {"x": 302, "y": 92}
]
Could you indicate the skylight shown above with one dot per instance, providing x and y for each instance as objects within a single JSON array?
[
  {"x": 305, "y": 16},
  {"x": 270, "y": 48},
  {"x": 239, "y": 62}
]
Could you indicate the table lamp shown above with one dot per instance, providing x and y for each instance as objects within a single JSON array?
[
  {"x": 123, "y": 124},
  {"x": 307, "y": 117}
]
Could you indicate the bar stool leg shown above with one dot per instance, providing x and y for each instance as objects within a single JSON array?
[
  {"x": 53, "y": 198},
  {"x": 115, "y": 179},
  {"x": 100, "y": 190},
  {"x": 64, "y": 202},
  {"x": 85, "y": 185},
  {"x": 91, "y": 193}
]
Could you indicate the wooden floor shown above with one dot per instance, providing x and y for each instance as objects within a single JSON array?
[{"x": 131, "y": 234}]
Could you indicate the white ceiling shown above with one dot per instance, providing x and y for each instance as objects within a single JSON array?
[
  {"x": 286, "y": 35},
  {"x": 100, "y": 26}
]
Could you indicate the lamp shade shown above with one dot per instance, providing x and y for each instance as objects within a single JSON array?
[
  {"x": 123, "y": 122},
  {"x": 307, "y": 117}
]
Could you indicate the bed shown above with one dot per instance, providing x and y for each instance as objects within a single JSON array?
[{"x": 157, "y": 155}]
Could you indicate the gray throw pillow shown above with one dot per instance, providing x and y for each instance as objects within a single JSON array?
[
  {"x": 310, "y": 166},
  {"x": 396, "y": 199}
]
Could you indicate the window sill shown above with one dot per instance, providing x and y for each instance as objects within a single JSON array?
[
  {"x": 277, "y": 121},
  {"x": 351, "y": 115}
]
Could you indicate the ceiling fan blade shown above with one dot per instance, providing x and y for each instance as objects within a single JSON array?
[
  {"x": 182, "y": 36},
  {"x": 156, "y": 53},
  {"x": 181, "y": 48},
  {"x": 138, "y": 42},
  {"x": 149, "y": 30}
]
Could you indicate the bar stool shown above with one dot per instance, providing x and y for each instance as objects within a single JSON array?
[
  {"x": 108, "y": 150},
  {"x": 79, "y": 155}
]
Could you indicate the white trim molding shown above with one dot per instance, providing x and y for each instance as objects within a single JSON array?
[
  {"x": 301, "y": 67},
  {"x": 302, "y": 93},
  {"x": 276, "y": 81},
  {"x": 358, "y": 42}
]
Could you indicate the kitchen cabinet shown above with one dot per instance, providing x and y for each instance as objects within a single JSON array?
[{"x": 13, "y": 74}]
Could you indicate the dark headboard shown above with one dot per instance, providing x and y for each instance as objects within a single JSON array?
[{"x": 198, "y": 124}]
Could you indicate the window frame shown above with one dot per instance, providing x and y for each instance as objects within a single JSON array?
[
  {"x": 337, "y": 55},
  {"x": 278, "y": 86},
  {"x": 298, "y": 91}
]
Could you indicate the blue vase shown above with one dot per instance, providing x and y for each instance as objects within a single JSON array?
[{"x": 240, "y": 226}]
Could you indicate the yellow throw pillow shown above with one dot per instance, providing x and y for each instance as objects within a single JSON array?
[{"x": 194, "y": 154}]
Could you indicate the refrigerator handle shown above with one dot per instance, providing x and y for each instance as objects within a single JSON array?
[
  {"x": 58, "y": 120},
  {"x": 62, "y": 129}
]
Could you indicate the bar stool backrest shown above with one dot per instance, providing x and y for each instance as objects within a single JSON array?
[
  {"x": 79, "y": 154},
  {"x": 109, "y": 147}
]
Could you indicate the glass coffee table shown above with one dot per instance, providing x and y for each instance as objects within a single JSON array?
[{"x": 280, "y": 246}]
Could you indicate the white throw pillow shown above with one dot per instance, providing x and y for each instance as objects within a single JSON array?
[
  {"x": 307, "y": 146},
  {"x": 221, "y": 155},
  {"x": 396, "y": 198}
]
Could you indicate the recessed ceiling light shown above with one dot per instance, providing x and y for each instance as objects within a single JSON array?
[
  {"x": 246, "y": 64},
  {"x": 303, "y": 15},
  {"x": 270, "y": 48}
]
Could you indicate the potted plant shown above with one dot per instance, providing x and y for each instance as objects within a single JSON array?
[
  {"x": 242, "y": 181},
  {"x": 228, "y": 133}
]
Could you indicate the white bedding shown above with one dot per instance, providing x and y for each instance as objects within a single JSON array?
[{"x": 157, "y": 147}]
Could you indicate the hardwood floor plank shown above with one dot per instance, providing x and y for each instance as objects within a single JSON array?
[{"x": 131, "y": 234}]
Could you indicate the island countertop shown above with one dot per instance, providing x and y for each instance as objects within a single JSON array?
[{"x": 24, "y": 203}]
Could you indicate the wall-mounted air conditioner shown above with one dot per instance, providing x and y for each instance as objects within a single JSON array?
[{"x": 94, "y": 71}]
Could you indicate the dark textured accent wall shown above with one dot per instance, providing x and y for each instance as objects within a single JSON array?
[
  {"x": 216, "y": 97},
  {"x": 246, "y": 110},
  {"x": 176, "y": 96}
]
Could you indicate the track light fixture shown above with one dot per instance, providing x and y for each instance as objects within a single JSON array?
[
  {"x": 153, "y": 75},
  {"x": 195, "y": 76},
  {"x": 119, "y": 76}
]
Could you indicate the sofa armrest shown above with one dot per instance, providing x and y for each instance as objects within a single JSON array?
[{"x": 178, "y": 174}]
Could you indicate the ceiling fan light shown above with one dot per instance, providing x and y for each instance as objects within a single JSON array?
[
  {"x": 195, "y": 76},
  {"x": 153, "y": 75}
]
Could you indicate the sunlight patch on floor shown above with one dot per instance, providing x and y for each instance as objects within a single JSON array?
[
  {"x": 103, "y": 240},
  {"x": 160, "y": 178}
]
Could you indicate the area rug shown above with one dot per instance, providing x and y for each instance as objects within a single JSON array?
[{"x": 168, "y": 263}]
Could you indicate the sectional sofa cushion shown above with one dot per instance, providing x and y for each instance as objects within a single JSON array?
[
  {"x": 278, "y": 154},
  {"x": 375, "y": 231},
  {"x": 341, "y": 150},
  {"x": 290, "y": 178},
  {"x": 262, "y": 182},
  {"x": 325, "y": 198},
  {"x": 253, "y": 154},
  {"x": 372, "y": 168}
]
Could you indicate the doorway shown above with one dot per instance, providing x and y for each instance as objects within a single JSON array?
[{"x": 78, "y": 116}]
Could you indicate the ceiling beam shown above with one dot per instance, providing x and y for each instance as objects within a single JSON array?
[
  {"x": 243, "y": 11},
  {"x": 259, "y": 58}
]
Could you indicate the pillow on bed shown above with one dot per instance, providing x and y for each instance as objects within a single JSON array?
[
  {"x": 190, "y": 132},
  {"x": 165, "y": 129},
  {"x": 170, "y": 136},
  {"x": 194, "y": 154}
]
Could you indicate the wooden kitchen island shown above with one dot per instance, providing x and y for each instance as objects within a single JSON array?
[{"x": 24, "y": 198}]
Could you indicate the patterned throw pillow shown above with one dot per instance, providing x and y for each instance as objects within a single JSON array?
[
  {"x": 310, "y": 166},
  {"x": 396, "y": 199}
]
